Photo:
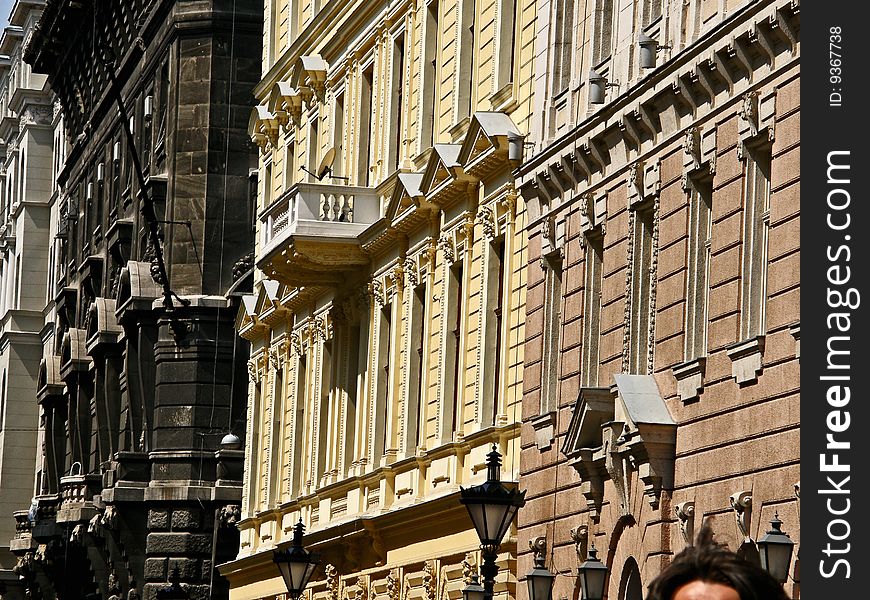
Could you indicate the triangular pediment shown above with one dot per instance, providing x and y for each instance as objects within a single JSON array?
[
  {"x": 406, "y": 195},
  {"x": 594, "y": 407},
  {"x": 442, "y": 167},
  {"x": 487, "y": 131}
]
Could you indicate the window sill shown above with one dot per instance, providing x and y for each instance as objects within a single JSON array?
[
  {"x": 504, "y": 99},
  {"x": 746, "y": 359},
  {"x": 690, "y": 379}
]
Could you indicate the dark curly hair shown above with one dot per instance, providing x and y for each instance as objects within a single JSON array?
[{"x": 714, "y": 563}]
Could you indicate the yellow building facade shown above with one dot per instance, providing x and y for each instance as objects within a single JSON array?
[{"x": 387, "y": 324}]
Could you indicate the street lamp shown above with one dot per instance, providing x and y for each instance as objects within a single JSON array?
[
  {"x": 775, "y": 549},
  {"x": 540, "y": 579},
  {"x": 592, "y": 574},
  {"x": 492, "y": 508},
  {"x": 296, "y": 564},
  {"x": 473, "y": 591},
  {"x": 173, "y": 591}
]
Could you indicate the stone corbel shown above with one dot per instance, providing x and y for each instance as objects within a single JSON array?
[
  {"x": 635, "y": 184},
  {"x": 685, "y": 512},
  {"x": 741, "y": 503},
  {"x": 690, "y": 379},
  {"x": 592, "y": 473},
  {"x": 614, "y": 462},
  {"x": 580, "y": 535},
  {"x": 544, "y": 426},
  {"x": 746, "y": 359}
]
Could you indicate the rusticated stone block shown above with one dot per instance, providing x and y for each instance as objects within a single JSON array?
[
  {"x": 188, "y": 568},
  {"x": 185, "y": 520},
  {"x": 155, "y": 569},
  {"x": 178, "y": 543},
  {"x": 158, "y": 520}
]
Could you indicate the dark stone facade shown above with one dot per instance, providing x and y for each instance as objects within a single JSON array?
[{"x": 136, "y": 395}]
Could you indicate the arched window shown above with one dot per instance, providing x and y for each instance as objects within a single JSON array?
[{"x": 630, "y": 586}]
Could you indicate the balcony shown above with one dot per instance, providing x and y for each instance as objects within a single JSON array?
[
  {"x": 77, "y": 494},
  {"x": 310, "y": 234}
]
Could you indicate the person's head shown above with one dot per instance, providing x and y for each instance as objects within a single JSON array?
[{"x": 709, "y": 571}]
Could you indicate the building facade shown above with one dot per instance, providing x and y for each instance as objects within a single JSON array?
[
  {"x": 141, "y": 376},
  {"x": 387, "y": 327},
  {"x": 25, "y": 191},
  {"x": 661, "y": 382}
]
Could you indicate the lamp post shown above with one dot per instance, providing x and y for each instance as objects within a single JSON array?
[
  {"x": 540, "y": 579},
  {"x": 593, "y": 575},
  {"x": 775, "y": 549},
  {"x": 296, "y": 564},
  {"x": 473, "y": 591},
  {"x": 492, "y": 508}
]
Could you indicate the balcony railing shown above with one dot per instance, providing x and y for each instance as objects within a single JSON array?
[
  {"x": 322, "y": 223},
  {"x": 314, "y": 209}
]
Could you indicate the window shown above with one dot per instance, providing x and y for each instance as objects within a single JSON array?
[
  {"x": 452, "y": 386},
  {"x": 397, "y": 109},
  {"x": 277, "y": 414},
  {"x": 563, "y": 28},
  {"x": 365, "y": 128},
  {"x": 325, "y": 414},
  {"x": 417, "y": 368},
  {"x": 384, "y": 389},
  {"x": 592, "y": 309},
  {"x": 299, "y": 425},
  {"x": 253, "y": 446},
  {"x": 355, "y": 381},
  {"x": 338, "y": 135},
  {"x": 603, "y": 36},
  {"x": 290, "y": 164},
  {"x": 313, "y": 146},
  {"x": 652, "y": 10},
  {"x": 641, "y": 282},
  {"x": 432, "y": 44},
  {"x": 465, "y": 73},
  {"x": 698, "y": 266},
  {"x": 494, "y": 319},
  {"x": 504, "y": 69},
  {"x": 756, "y": 219},
  {"x": 267, "y": 185},
  {"x": 552, "y": 313}
]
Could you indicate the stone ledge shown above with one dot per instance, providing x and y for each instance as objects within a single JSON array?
[
  {"x": 544, "y": 426},
  {"x": 690, "y": 378},
  {"x": 746, "y": 359}
]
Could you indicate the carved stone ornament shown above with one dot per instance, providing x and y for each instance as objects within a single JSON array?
[
  {"x": 393, "y": 584},
  {"x": 397, "y": 277},
  {"x": 331, "y": 581},
  {"x": 749, "y": 110},
  {"x": 376, "y": 289},
  {"x": 253, "y": 371},
  {"x": 411, "y": 272},
  {"x": 486, "y": 218},
  {"x": 445, "y": 244},
  {"x": 580, "y": 535},
  {"x": 685, "y": 512},
  {"x": 741, "y": 502},
  {"x": 229, "y": 515},
  {"x": 35, "y": 114},
  {"x": 296, "y": 343},
  {"x": 319, "y": 329},
  {"x": 469, "y": 568},
  {"x": 538, "y": 546},
  {"x": 430, "y": 582}
]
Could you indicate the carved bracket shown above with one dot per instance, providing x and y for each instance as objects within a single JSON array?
[
  {"x": 580, "y": 535},
  {"x": 685, "y": 512},
  {"x": 741, "y": 502}
]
